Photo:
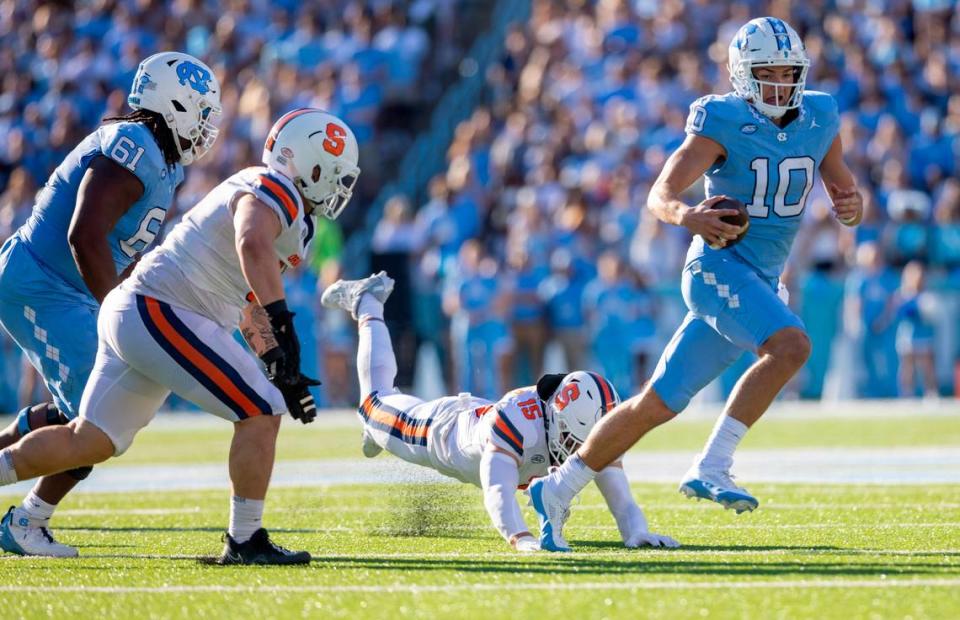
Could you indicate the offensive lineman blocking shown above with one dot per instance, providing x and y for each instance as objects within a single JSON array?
[
  {"x": 497, "y": 446},
  {"x": 169, "y": 326},
  {"x": 101, "y": 208},
  {"x": 762, "y": 145}
]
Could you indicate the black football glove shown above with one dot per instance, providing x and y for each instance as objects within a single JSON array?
[
  {"x": 283, "y": 365},
  {"x": 283, "y": 361},
  {"x": 299, "y": 400}
]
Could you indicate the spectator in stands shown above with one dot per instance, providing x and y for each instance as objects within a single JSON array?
[
  {"x": 526, "y": 314},
  {"x": 474, "y": 300},
  {"x": 562, "y": 293},
  {"x": 911, "y": 309},
  {"x": 868, "y": 289}
]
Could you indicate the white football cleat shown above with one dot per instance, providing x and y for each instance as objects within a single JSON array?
[
  {"x": 718, "y": 486},
  {"x": 551, "y": 512},
  {"x": 18, "y": 536},
  {"x": 370, "y": 447},
  {"x": 346, "y": 294}
]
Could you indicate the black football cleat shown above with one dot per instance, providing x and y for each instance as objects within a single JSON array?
[{"x": 260, "y": 550}]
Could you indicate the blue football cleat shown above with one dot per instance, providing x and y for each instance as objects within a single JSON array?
[
  {"x": 718, "y": 486},
  {"x": 551, "y": 513}
]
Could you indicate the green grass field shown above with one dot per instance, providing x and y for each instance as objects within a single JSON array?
[{"x": 414, "y": 551}]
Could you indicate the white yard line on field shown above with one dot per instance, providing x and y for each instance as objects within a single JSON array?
[
  {"x": 500, "y": 587},
  {"x": 887, "y": 466},
  {"x": 360, "y": 528},
  {"x": 346, "y": 508}
]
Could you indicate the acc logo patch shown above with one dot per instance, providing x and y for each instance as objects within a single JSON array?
[
  {"x": 538, "y": 458},
  {"x": 748, "y": 129},
  {"x": 287, "y": 152},
  {"x": 194, "y": 75}
]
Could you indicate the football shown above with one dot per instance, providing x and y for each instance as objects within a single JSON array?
[{"x": 741, "y": 219}]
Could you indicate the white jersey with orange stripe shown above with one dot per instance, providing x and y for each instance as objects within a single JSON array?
[
  {"x": 465, "y": 425},
  {"x": 197, "y": 266}
]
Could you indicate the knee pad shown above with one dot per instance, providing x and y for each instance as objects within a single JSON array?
[
  {"x": 52, "y": 417},
  {"x": 80, "y": 473}
]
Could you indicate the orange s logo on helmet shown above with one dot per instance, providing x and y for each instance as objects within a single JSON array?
[
  {"x": 334, "y": 142},
  {"x": 569, "y": 393}
]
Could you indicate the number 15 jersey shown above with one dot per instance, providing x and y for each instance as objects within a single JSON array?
[
  {"x": 770, "y": 169},
  {"x": 130, "y": 145}
]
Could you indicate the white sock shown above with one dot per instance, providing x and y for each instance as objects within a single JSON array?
[
  {"x": 8, "y": 475},
  {"x": 246, "y": 517},
  {"x": 376, "y": 362},
  {"x": 719, "y": 449},
  {"x": 572, "y": 476},
  {"x": 37, "y": 510}
]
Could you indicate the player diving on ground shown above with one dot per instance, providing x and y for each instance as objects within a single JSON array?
[
  {"x": 761, "y": 144},
  {"x": 498, "y": 446},
  {"x": 169, "y": 326}
]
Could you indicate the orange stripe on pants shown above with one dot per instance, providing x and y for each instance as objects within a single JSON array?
[{"x": 197, "y": 359}]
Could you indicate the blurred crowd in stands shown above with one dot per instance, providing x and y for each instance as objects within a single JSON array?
[{"x": 533, "y": 250}]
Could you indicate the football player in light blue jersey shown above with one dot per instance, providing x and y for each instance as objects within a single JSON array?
[
  {"x": 100, "y": 209},
  {"x": 762, "y": 144}
]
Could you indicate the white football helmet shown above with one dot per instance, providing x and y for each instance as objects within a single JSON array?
[
  {"x": 767, "y": 42},
  {"x": 574, "y": 407},
  {"x": 319, "y": 153},
  {"x": 186, "y": 93}
]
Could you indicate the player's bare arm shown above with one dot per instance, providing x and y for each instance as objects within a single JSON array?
[
  {"x": 256, "y": 329},
  {"x": 106, "y": 192},
  {"x": 687, "y": 164},
  {"x": 841, "y": 186},
  {"x": 257, "y": 227}
]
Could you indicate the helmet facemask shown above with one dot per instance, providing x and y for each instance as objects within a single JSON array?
[
  {"x": 199, "y": 130},
  {"x": 561, "y": 443},
  {"x": 329, "y": 202},
  {"x": 750, "y": 87}
]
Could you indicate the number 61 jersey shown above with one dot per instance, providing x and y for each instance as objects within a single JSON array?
[
  {"x": 770, "y": 169},
  {"x": 130, "y": 145}
]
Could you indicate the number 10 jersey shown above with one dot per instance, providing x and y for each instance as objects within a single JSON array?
[{"x": 770, "y": 169}]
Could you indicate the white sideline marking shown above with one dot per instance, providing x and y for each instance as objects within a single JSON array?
[{"x": 499, "y": 587}]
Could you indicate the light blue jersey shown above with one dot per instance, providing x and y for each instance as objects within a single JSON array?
[
  {"x": 132, "y": 146},
  {"x": 732, "y": 293},
  {"x": 768, "y": 168},
  {"x": 44, "y": 304}
]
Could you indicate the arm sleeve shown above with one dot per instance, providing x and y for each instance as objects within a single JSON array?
[
  {"x": 499, "y": 477},
  {"x": 615, "y": 489}
]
